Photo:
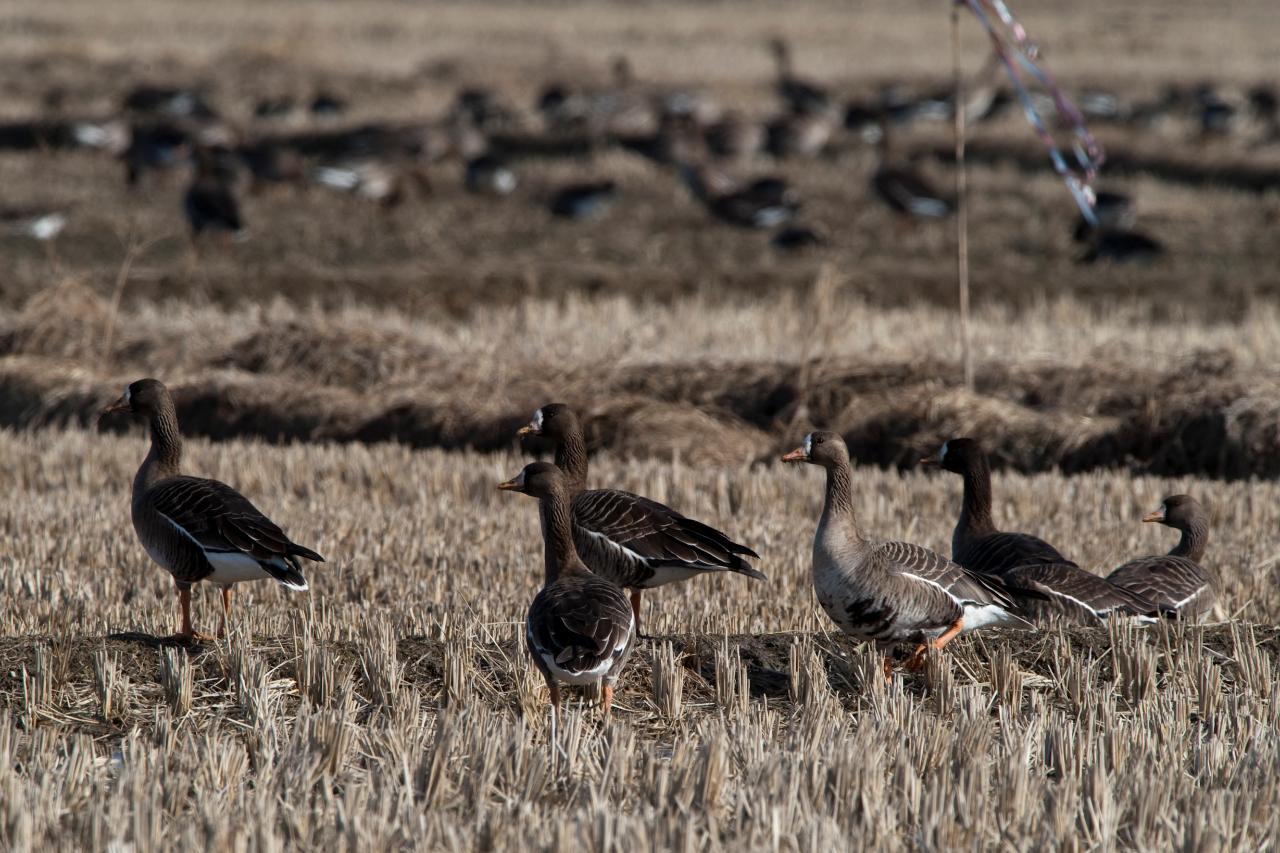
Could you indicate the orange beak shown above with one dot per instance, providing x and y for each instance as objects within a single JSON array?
[
  {"x": 1155, "y": 515},
  {"x": 120, "y": 405},
  {"x": 528, "y": 429},
  {"x": 512, "y": 485},
  {"x": 931, "y": 460},
  {"x": 797, "y": 455}
]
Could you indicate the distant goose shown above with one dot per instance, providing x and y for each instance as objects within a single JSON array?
[
  {"x": 197, "y": 529},
  {"x": 584, "y": 200},
  {"x": 1113, "y": 211},
  {"x": 1176, "y": 582},
  {"x": 1041, "y": 580},
  {"x": 735, "y": 137},
  {"x": 634, "y": 541},
  {"x": 762, "y": 203},
  {"x": 371, "y": 179},
  {"x": 799, "y": 95},
  {"x": 797, "y": 238},
  {"x": 326, "y": 104},
  {"x": 580, "y": 629},
  {"x": 210, "y": 204},
  {"x": 800, "y": 134},
  {"x": 900, "y": 186},
  {"x": 169, "y": 101},
  {"x": 153, "y": 147},
  {"x": 37, "y": 223},
  {"x": 890, "y": 592},
  {"x": 1120, "y": 245},
  {"x": 490, "y": 175}
]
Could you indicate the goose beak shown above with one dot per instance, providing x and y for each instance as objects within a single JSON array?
[
  {"x": 797, "y": 455},
  {"x": 528, "y": 429},
  {"x": 120, "y": 405},
  {"x": 931, "y": 460},
  {"x": 1155, "y": 515},
  {"x": 512, "y": 485}
]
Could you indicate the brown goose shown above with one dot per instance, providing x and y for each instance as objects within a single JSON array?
[
  {"x": 903, "y": 188},
  {"x": 580, "y": 629},
  {"x": 197, "y": 529},
  {"x": 1176, "y": 582},
  {"x": 799, "y": 95},
  {"x": 890, "y": 592},
  {"x": 1041, "y": 580},
  {"x": 633, "y": 541}
]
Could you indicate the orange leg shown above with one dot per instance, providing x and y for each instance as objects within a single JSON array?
[
  {"x": 608, "y": 702},
  {"x": 888, "y": 668},
  {"x": 917, "y": 659},
  {"x": 635, "y": 612},
  {"x": 226, "y": 611},
  {"x": 188, "y": 632}
]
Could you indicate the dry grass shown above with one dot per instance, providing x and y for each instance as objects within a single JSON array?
[
  {"x": 707, "y": 380},
  {"x": 392, "y": 706}
]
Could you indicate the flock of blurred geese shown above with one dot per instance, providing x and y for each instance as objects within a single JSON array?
[{"x": 722, "y": 156}]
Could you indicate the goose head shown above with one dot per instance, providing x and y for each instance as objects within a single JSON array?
[
  {"x": 140, "y": 398},
  {"x": 552, "y": 421},
  {"x": 537, "y": 479},
  {"x": 822, "y": 448},
  {"x": 1178, "y": 511}
]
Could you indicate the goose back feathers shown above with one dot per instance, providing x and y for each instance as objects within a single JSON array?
[
  {"x": 1175, "y": 583},
  {"x": 632, "y": 540},
  {"x": 1042, "y": 581}
]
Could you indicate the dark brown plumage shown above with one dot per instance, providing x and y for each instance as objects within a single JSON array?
[
  {"x": 1040, "y": 578},
  {"x": 580, "y": 629},
  {"x": 1175, "y": 583},
  {"x": 634, "y": 541},
  {"x": 198, "y": 529}
]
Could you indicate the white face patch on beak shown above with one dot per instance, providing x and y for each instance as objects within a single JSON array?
[
  {"x": 942, "y": 457},
  {"x": 126, "y": 394},
  {"x": 808, "y": 445},
  {"x": 537, "y": 420},
  {"x": 520, "y": 479}
]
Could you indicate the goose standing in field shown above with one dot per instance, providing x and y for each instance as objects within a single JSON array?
[
  {"x": 637, "y": 543},
  {"x": 210, "y": 203},
  {"x": 1041, "y": 580},
  {"x": 762, "y": 203},
  {"x": 890, "y": 592},
  {"x": 580, "y": 629},
  {"x": 799, "y": 95},
  {"x": 1176, "y": 582},
  {"x": 198, "y": 529},
  {"x": 903, "y": 188}
]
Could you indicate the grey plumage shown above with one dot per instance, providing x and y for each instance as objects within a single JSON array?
[{"x": 1176, "y": 583}]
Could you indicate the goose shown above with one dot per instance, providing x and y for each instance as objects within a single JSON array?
[
  {"x": 580, "y": 628},
  {"x": 636, "y": 542},
  {"x": 735, "y": 137},
  {"x": 583, "y": 200},
  {"x": 799, "y": 95},
  {"x": 763, "y": 203},
  {"x": 198, "y": 529},
  {"x": 1121, "y": 245},
  {"x": 800, "y": 134},
  {"x": 153, "y": 147},
  {"x": 1041, "y": 580},
  {"x": 38, "y": 223},
  {"x": 890, "y": 592},
  {"x": 169, "y": 101},
  {"x": 210, "y": 203},
  {"x": 490, "y": 175},
  {"x": 1175, "y": 582},
  {"x": 1113, "y": 210},
  {"x": 907, "y": 192}
]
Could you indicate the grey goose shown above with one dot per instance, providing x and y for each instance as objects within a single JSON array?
[
  {"x": 580, "y": 629},
  {"x": 634, "y": 541},
  {"x": 1176, "y": 583},
  {"x": 890, "y": 592},
  {"x": 198, "y": 529},
  {"x": 1041, "y": 580}
]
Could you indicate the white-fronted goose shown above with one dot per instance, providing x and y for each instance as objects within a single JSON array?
[
  {"x": 800, "y": 95},
  {"x": 907, "y": 192},
  {"x": 800, "y": 134},
  {"x": 1041, "y": 580},
  {"x": 735, "y": 137},
  {"x": 636, "y": 542},
  {"x": 198, "y": 529},
  {"x": 1176, "y": 583},
  {"x": 584, "y": 200},
  {"x": 890, "y": 592},
  {"x": 580, "y": 629},
  {"x": 209, "y": 203},
  {"x": 762, "y": 203}
]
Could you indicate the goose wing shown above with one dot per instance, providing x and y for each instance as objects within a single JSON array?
[
  {"x": 646, "y": 530},
  {"x": 221, "y": 520},
  {"x": 1070, "y": 590},
  {"x": 1172, "y": 584},
  {"x": 997, "y": 553},
  {"x": 930, "y": 568},
  {"x": 580, "y": 625}
]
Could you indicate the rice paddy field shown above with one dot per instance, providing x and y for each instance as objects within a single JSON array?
[{"x": 359, "y": 373}]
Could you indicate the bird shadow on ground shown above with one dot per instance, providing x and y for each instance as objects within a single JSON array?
[{"x": 154, "y": 640}]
